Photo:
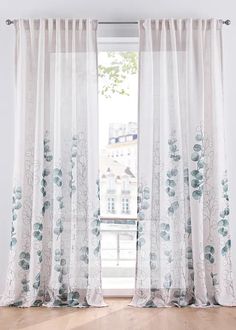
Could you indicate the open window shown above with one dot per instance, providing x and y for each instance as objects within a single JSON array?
[{"x": 118, "y": 104}]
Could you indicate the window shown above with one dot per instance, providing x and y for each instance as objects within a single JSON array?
[
  {"x": 122, "y": 139},
  {"x": 111, "y": 183},
  {"x": 111, "y": 205},
  {"x": 118, "y": 153},
  {"x": 129, "y": 138},
  {"x": 125, "y": 185},
  {"x": 125, "y": 205}
]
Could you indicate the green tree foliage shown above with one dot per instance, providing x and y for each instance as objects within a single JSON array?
[{"x": 113, "y": 74}]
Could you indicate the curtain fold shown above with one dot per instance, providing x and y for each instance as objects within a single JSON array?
[
  {"x": 55, "y": 237},
  {"x": 183, "y": 240}
]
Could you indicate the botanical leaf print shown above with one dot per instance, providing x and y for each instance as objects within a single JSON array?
[
  {"x": 153, "y": 260},
  {"x": 47, "y": 151},
  {"x": 198, "y": 174},
  {"x": 25, "y": 285},
  {"x": 96, "y": 222},
  {"x": 45, "y": 173},
  {"x": 223, "y": 224},
  {"x": 188, "y": 226},
  {"x": 140, "y": 234},
  {"x": 73, "y": 156},
  {"x": 171, "y": 177},
  {"x": 58, "y": 181},
  {"x": 174, "y": 241},
  {"x": 226, "y": 248},
  {"x": 173, "y": 149},
  {"x": 165, "y": 231},
  {"x": 60, "y": 201},
  {"x": 189, "y": 257},
  {"x": 143, "y": 204},
  {"x": 36, "y": 283},
  {"x": 52, "y": 179},
  {"x": 84, "y": 254},
  {"x": 73, "y": 298},
  {"x": 57, "y": 176},
  {"x": 98, "y": 189},
  {"x": 24, "y": 262},
  {"x": 38, "y": 228},
  {"x": 39, "y": 254},
  {"x": 143, "y": 201},
  {"x": 209, "y": 253},
  {"x": 46, "y": 206},
  {"x": 60, "y": 264},
  {"x": 16, "y": 206},
  {"x": 169, "y": 255},
  {"x": 59, "y": 227}
]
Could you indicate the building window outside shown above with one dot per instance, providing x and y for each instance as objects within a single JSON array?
[
  {"x": 129, "y": 138},
  {"x": 125, "y": 205},
  {"x": 125, "y": 185},
  {"x": 111, "y": 187},
  {"x": 111, "y": 205}
]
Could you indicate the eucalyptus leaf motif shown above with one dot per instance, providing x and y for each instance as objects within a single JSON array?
[
  {"x": 171, "y": 180},
  {"x": 47, "y": 151},
  {"x": 197, "y": 174},
  {"x": 46, "y": 172},
  {"x": 24, "y": 260},
  {"x": 16, "y": 206},
  {"x": 143, "y": 205},
  {"x": 223, "y": 223},
  {"x": 25, "y": 285},
  {"x": 165, "y": 231},
  {"x": 209, "y": 253},
  {"x": 61, "y": 268}
]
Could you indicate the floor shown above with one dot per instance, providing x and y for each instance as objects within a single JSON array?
[{"x": 118, "y": 316}]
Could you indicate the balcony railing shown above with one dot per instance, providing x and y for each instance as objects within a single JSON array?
[{"x": 118, "y": 241}]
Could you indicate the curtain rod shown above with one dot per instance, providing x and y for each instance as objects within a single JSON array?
[{"x": 226, "y": 22}]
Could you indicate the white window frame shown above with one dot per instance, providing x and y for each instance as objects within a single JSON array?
[{"x": 118, "y": 44}]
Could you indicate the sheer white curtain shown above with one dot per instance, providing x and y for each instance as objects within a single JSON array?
[
  {"x": 55, "y": 238},
  {"x": 183, "y": 244}
]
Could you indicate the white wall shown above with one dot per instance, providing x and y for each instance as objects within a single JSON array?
[{"x": 104, "y": 10}]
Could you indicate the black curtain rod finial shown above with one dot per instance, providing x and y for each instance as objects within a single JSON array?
[
  {"x": 227, "y": 22},
  {"x": 9, "y": 22}
]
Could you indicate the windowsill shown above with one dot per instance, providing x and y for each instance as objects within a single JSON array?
[
  {"x": 118, "y": 293},
  {"x": 118, "y": 287},
  {"x": 118, "y": 283}
]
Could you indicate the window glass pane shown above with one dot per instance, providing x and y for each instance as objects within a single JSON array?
[{"x": 118, "y": 166}]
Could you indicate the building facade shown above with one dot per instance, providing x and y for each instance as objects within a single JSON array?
[{"x": 118, "y": 173}]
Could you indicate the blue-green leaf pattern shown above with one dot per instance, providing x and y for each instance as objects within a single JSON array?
[
  {"x": 16, "y": 206},
  {"x": 197, "y": 181}
]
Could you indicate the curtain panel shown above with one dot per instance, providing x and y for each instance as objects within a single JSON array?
[
  {"x": 55, "y": 237},
  {"x": 183, "y": 240}
]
